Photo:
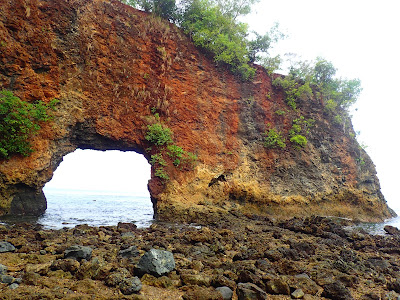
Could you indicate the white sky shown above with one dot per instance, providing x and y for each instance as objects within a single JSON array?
[
  {"x": 108, "y": 171},
  {"x": 360, "y": 38}
]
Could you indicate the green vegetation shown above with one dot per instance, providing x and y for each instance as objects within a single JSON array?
[
  {"x": 214, "y": 26},
  {"x": 299, "y": 140},
  {"x": 19, "y": 120},
  {"x": 158, "y": 135},
  {"x": 274, "y": 139},
  {"x": 161, "y": 137}
]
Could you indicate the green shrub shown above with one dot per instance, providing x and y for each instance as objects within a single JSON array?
[
  {"x": 158, "y": 159},
  {"x": 19, "y": 120},
  {"x": 280, "y": 112},
  {"x": 175, "y": 151},
  {"x": 160, "y": 173},
  {"x": 158, "y": 135},
  {"x": 274, "y": 139},
  {"x": 299, "y": 140}
]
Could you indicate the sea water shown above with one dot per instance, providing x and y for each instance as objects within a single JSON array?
[{"x": 68, "y": 208}]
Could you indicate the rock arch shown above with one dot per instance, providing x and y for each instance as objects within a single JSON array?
[{"x": 116, "y": 70}]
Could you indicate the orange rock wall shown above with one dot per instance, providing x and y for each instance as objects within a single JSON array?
[{"x": 112, "y": 67}]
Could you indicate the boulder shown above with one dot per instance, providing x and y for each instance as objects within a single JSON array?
[
  {"x": 78, "y": 252},
  {"x": 156, "y": 262}
]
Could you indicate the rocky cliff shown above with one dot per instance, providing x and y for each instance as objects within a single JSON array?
[{"x": 117, "y": 71}]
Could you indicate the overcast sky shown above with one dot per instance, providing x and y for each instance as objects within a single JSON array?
[{"x": 360, "y": 38}]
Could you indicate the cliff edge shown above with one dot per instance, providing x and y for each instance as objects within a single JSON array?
[{"x": 122, "y": 74}]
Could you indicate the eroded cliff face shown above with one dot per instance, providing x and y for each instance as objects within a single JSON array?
[{"x": 114, "y": 68}]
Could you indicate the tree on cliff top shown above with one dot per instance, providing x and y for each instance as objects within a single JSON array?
[{"x": 213, "y": 26}]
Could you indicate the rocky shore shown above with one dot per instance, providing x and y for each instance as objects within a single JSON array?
[{"x": 237, "y": 257}]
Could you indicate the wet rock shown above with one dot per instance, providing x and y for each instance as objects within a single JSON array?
[
  {"x": 31, "y": 278},
  {"x": 8, "y": 279},
  {"x": 91, "y": 269},
  {"x": 198, "y": 293},
  {"x": 161, "y": 282},
  {"x": 248, "y": 291},
  {"x": 41, "y": 269},
  {"x": 116, "y": 278},
  {"x": 277, "y": 286},
  {"x": 196, "y": 279},
  {"x": 6, "y": 247},
  {"x": 371, "y": 296},
  {"x": 221, "y": 280},
  {"x": 131, "y": 251},
  {"x": 394, "y": 285},
  {"x": 130, "y": 285},
  {"x": 226, "y": 292},
  {"x": 391, "y": 230},
  {"x": 156, "y": 262},
  {"x": 66, "y": 265},
  {"x": 297, "y": 294},
  {"x": 336, "y": 290},
  {"x": 3, "y": 269},
  {"x": 78, "y": 252},
  {"x": 13, "y": 286},
  {"x": 303, "y": 282},
  {"x": 124, "y": 227}
]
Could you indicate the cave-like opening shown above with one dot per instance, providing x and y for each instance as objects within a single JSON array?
[{"x": 98, "y": 188}]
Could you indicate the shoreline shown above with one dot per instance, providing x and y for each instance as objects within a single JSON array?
[{"x": 318, "y": 257}]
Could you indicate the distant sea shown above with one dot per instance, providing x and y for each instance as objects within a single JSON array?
[{"x": 68, "y": 208}]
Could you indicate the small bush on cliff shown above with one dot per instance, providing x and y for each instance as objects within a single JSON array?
[
  {"x": 19, "y": 120},
  {"x": 274, "y": 139},
  {"x": 159, "y": 135},
  {"x": 299, "y": 140}
]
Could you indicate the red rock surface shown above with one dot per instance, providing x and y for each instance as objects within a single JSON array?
[{"x": 112, "y": 67}]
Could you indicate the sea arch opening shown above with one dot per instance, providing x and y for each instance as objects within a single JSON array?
[{"x": 99, "y": 188}]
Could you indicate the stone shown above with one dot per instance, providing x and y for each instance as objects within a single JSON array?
[
  {"x": 200, "y": 279},
  {"x": 336, "y": 290},
  {"x": 8, "y": 279},
  {"x": 129, "y": 286},
  {"x": 41, "y": 269},
  {"x": 78, "y": 252},
  {"x": 277, "y": 286},
  {"x": 131, "y": 251},
  {"x": 6, "y": 247},
  {"x": 391, "y": 230},
  {"x": 249, "y": 291},
  {"x": 394, "y": 285},
  {"x": 202, "y": 293},
  {"x": 67, "y": 265},
  {"x": 297, "y": 294},
  {"x": 116, "y": 278},
  {"x": 226, "y": 292},
  {"x": 3, "y": 269},
  {"x": 13, "y": 286},
  {"x": 156, "y": 262}
]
